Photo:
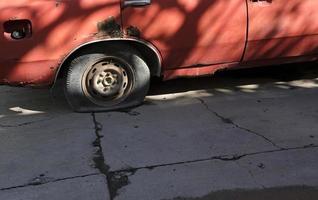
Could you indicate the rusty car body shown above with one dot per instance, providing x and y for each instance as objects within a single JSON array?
[{"x": 40, "y": 39}]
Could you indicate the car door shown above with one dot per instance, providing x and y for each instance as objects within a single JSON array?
[
  {"x": 51, "y": 29},
  {"x": 280, "y": 29},
  {"x": 51, "y": 25},
  {"x": 190, "y": 32}
]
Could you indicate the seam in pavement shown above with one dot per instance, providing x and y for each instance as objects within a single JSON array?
[
  {"x": 25, "y": 123},
  {"x": 229, "y": 121},
  {"x": 49, "y": 181},
  {"x": 99, "y": 158},
  {"x": 226, "y": 158},
  {"x": 115, "y": 181},
  {"x": 122, "y": 172}
]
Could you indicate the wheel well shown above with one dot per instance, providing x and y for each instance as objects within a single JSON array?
[{"x": 149, "y": 53}]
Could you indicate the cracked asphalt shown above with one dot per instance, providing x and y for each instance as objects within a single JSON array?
[{"x": 247, "y": 134}]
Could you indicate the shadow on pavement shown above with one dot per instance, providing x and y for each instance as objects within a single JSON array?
[
  {"x": 232, "y": 80},
  {"x": 290, "y": 193},
  {"x": 19, "y": 104}
]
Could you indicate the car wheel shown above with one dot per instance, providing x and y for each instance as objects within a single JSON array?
[{"x": 103, "y": 79}]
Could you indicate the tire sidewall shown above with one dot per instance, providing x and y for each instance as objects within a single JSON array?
[{"x": 76, "y": 72}]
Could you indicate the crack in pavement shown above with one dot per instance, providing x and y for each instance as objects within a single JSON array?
[
  {"x": 25, "y": 123},
  {"x": 119, "y": 178},
  {"x": 229, "y": 121},
  {"x": 47, "y": 181},
  {"x": 226, "y": 158},
  {"x": 114, "y": 183},
  {"x": 99, "y": 159}
]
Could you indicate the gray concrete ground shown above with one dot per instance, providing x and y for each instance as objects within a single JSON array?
[{"x": 248, "y": 134}]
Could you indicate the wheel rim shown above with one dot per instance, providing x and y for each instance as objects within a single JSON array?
[{"x": 108, "y": 81}]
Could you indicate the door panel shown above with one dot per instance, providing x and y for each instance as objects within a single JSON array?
[
  {"x": 189, "y": 32},
  {"x": 54, "y": 28},
  {"x": 280, "y": 28}
]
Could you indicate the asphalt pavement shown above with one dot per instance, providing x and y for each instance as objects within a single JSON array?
[{"x": 243, "y": 135}]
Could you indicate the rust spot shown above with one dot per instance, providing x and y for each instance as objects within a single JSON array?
[
  {"x": 57, "y": 3},
  {"x": 109, "y": 27},
  {"x": 133, "y": 31}
]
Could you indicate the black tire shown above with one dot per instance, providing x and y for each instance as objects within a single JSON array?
[{"x": 86, "y": 95}]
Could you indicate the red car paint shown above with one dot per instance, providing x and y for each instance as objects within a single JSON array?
[{"x": 194, "y": 37}]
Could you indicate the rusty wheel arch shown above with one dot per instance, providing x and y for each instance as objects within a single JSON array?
[{"x": 149, "y": 52}]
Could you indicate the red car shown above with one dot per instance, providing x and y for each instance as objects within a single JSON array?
[{"x": 107, "y": 50}]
